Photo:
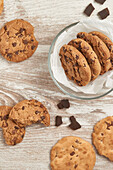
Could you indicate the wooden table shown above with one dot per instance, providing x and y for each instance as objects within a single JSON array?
[{"x": 31, "y": 79}]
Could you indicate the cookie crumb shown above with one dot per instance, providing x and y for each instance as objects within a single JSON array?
[{"x": 58, "y": 121}]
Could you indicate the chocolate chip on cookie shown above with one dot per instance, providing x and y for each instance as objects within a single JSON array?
[
  {"x": 72, "y": 153},
  {"x": 108, "y": 43},
  {"x": 30, "y": 111},
  {"x": 13, "y": 134},
  {"x": 73, "y": 64},
  {"x": 89, "y": 54},
  {"x": 103, "y": 137},
  {"x": 17, "y": 41},
  {"x": 99, "y": 48}
]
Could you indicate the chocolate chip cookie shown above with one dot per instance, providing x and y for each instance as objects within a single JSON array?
[
  {"x": 89, "y": 54},
  {"x": 103, "y": 137},
  {"x": 27, "y": 112},
  {"x": 17, "y": 41},
  {"x": 13, "y": 134},
  {"x": 72, "y": 153},
  {"x": 1, "y": 5},
  {"x": 108, "y": 43},
  {"x": 4, "y": 115},
  {"x": 75, "y": 65},
  {"x": 99, "y": 48}
]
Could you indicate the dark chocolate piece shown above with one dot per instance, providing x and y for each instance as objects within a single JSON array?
[
  {"x": 63, "y": 104},
  {"x": 58, "y": 121},
  {"x": 100, "y": 1},
  {"x": 89, "y": 9},
  {"x": 104, "y": 13},
  {"x": 74, "y": 124}
]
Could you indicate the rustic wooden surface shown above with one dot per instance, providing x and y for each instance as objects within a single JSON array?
[{"x": 31, "y": 79}]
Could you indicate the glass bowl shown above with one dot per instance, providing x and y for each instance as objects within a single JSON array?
[{"x": 66, "y": 90}]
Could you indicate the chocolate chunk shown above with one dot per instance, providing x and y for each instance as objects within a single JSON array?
[
  {"x": 72, "y": 78},
  {"x": 41, "y": 106},
  {"x": 25, "y": 41},
  {"x": 16, "y": 127},
  {"x": 5, "y": 28},
  {"x": 23, "y": 108},
  {"x": 8, "y": 33},
  {"x": 16, "y": 52},
  {"x": 109, "y": 124},
  {"x": 32, "y": 47},
  {"x": 89, "y": 9},
  {"x": 77, "y": 57},
  {"x": 22, "y": 136},
  {"x": 42, "y": 117},
  {"x": 5, "y": 117},
  {"x": 100, "y": 1},
  {"x": 75, "y": 166},
  {"x": 72, "y": 153},
  {"x": 9, "y": 55},
  {"x": 63, "y": 104},
  {"x": 20, "y": 36},
  {"x": 21, "y": 30},
  {"x": 58, "y": 121},
  {"x": 32, "y": 40},
  {"x": 37, "y": 112},
  {"x": 104, "y": 13},
  {"x": 74, "y": 124},
  {"x": 14, "y": 44},
  {"x": 64, "y": 49}
]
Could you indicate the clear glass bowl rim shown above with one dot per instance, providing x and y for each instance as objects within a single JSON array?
[{"x": 56, "y": 82}]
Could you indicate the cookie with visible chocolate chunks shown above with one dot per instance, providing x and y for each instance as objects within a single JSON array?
[
  {"x": 108, "y": 43},
  {"x": 72, "y": 153},
  {"x": 13, "y": 133},
  {"x": 99, "y": 48},
  {"x": 89, "y": 54},
  {"x": 17, "y": 40},
  {"x": 75, "y": 65},
  {"x": 102, "y": 137},
  {"x": 27, "y": 112},
  {"x": 4, "y": 115}
]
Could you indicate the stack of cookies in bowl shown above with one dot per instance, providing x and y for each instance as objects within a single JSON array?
[{"x": 87, "y": 57}]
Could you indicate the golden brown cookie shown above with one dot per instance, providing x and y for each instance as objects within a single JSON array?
[
  {"x": 17, "y": 41},
  {"x": 103, "y": 137},
  {"x": 1, "y": 5},
  {"x": 99, "y": 48},
  {"x": 72, "y": 153},
  {"x": 4, "y": 115},
  {"x": 89, "y": 54},
  {"x": 27, "y": 112},
  {"x": 108, "y": 43},
  {"x": 13, "y": 134},
  {"x": 75, "y": 65}
]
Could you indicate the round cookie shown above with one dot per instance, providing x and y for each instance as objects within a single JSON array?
[
  {"x": 99, "y": 48},
  {"x": 108, "y": 43},
  {"x": 72, "y": 153},
  {"x": 17, "y": 41},
  {"x": 13, "y": 134},
  {"x": 1, "y": 5},
  {"x": 27, "y": 112},
  {"x": 103, "y": 137},
  {"x": 4, "y": 115},
  {"x": 89, "y": 54},
  {"x": 75, "y": 65}
]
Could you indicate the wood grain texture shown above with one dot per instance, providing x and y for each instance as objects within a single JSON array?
[{"x": 31, "y": 79}]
